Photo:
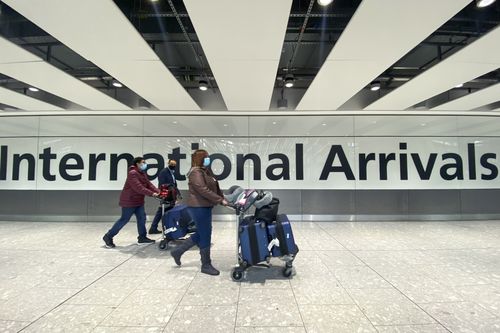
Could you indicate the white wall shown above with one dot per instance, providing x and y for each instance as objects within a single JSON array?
[{"x": 262, "y": 135}]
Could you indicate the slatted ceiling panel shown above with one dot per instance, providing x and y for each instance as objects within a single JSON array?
[
  {"x": 98, "y": 31},
  {"x": 242, "y": 41},
  {"x": 26, "y": 67},
  {"x": 24, "y": 102},
  {"x": 162, "y": 92},
  {"x": 9, "y": 53},
  {"x": 474, "y": 60},
  {"x": 473, "y": 100},
  {"x": 379, "y": 34}
]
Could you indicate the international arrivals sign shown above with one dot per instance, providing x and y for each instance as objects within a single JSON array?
[{"x": 268, "y": 163}]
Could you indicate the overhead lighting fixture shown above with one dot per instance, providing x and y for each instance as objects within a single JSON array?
[
  {"x": 117, "y": 84},
  {"x": 33, "y": 89},
  {"x": 324, "y": 2},
  {"x": 484, "y": 3},
  {"x": 203, "y": 85},
  {"x": 459, "y": 85},
  {"x": 375, "y": 85},
  {"x": 289, "y": 81}
]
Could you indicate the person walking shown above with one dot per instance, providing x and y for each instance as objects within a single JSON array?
[
  {"x": 165, "y": 177},
  {"x": 136, "y": 187},
  {"x": 204, "y": 194}
]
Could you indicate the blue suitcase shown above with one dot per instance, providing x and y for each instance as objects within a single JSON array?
[
  {"x": 174, "y": 222},
  {"x": 281, "y": 237},
  {"x": 253, "y": 241}
]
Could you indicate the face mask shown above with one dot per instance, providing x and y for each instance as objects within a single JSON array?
[
  {"x": 206, "y": 161},
  {"x": 171, "y": 167},
  {"x": 143, "y": 166}
]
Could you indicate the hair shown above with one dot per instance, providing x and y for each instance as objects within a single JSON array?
[
  {"x": 197, "y": 157},
  {"x": 138, "y": 159}
]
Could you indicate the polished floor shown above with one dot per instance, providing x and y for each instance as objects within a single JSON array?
[{"x": 350, "y": 277}]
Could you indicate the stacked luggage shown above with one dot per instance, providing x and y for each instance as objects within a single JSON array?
[
  {"x": 264, "y": 234},
  {"x": 176, "y": 220}
]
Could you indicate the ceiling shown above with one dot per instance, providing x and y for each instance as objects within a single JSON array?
[{"x": 425, "y": 55}]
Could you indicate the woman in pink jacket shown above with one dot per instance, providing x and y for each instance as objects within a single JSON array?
[{"x": 136, "y": 187}]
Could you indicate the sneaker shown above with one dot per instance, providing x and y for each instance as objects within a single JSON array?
[
  {"x": 144, "y": 241},
  {"x": 108, "y": 241},
  {"x": 154, "y": 231}
]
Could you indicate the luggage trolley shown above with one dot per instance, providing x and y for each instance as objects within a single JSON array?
[
  {"x": 241, "y": 200},
  {"x": 167, "y": 199}
]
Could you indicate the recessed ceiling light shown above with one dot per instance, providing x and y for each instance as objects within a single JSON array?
[
  {"x": 324, "y": 2},
  {"x": 484, "y": 3},
  {"x": 33, "y": 89},
  {"x": 375, "y": 85},
  {"x": 289, "y": 80},
  {"x": 203, "y": 85},
  {"x": 459, "y": 85},
  {"x": 116, "y": 84}
]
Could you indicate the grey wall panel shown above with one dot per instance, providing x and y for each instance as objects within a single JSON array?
[
  {"x": 63, "y": 203},
  {"x": 329, "y": 202},
  {"x": 290, "y": 201},
  {"x": 381, "y": 202},
  {"x": 480, "y": 201},
  {"x": 331, "y": 205},
  {"x": 432, "y": 202},
  {"x": 102, "y": 203},
  {"x": 18, "y": 202}
]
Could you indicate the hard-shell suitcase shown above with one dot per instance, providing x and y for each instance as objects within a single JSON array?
[
  {"x": 174, "y": 222},
  {"x": 281, "y": 237},
  {"x": 253, "y": 241}
]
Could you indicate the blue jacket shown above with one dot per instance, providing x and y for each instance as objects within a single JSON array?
[{"x": 166, "y": 177}]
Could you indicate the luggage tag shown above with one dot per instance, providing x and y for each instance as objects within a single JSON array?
[
  {"x": 274, "y": 242},
  {"x": 169, "y": 230}
]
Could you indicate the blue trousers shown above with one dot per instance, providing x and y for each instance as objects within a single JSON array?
[
  {"x": 127, "y": 212},
  {"x": 202, "y": 217}
]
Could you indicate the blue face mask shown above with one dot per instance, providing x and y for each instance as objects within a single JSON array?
[
  {"x": 206, "y": 161},
  {"x": 143, "y": 166}
]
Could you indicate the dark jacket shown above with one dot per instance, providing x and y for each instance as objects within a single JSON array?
[
  {"x": 165, "y": 177},
  {"x": 204, "y": 189},
  {"x": 136, "y": 187}
]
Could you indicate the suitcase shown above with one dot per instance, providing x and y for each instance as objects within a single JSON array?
[
  {"x": 175, "y": 222},
  {"x": 253, "y": 241},
  {"x": 281, "y": 237}
]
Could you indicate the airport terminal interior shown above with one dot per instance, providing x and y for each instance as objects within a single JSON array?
[{"x": 247, "y": 166}]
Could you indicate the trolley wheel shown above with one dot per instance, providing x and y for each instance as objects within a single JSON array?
[
  {"x": 163, "y": 244},
  {"x": 236, "y": 274},
  {"x": 287, "y": 272}
]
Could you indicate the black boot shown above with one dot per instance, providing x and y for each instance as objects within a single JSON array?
[
  {"x": 180, "y": 249},
  {"x": 206, "y": 262}
]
